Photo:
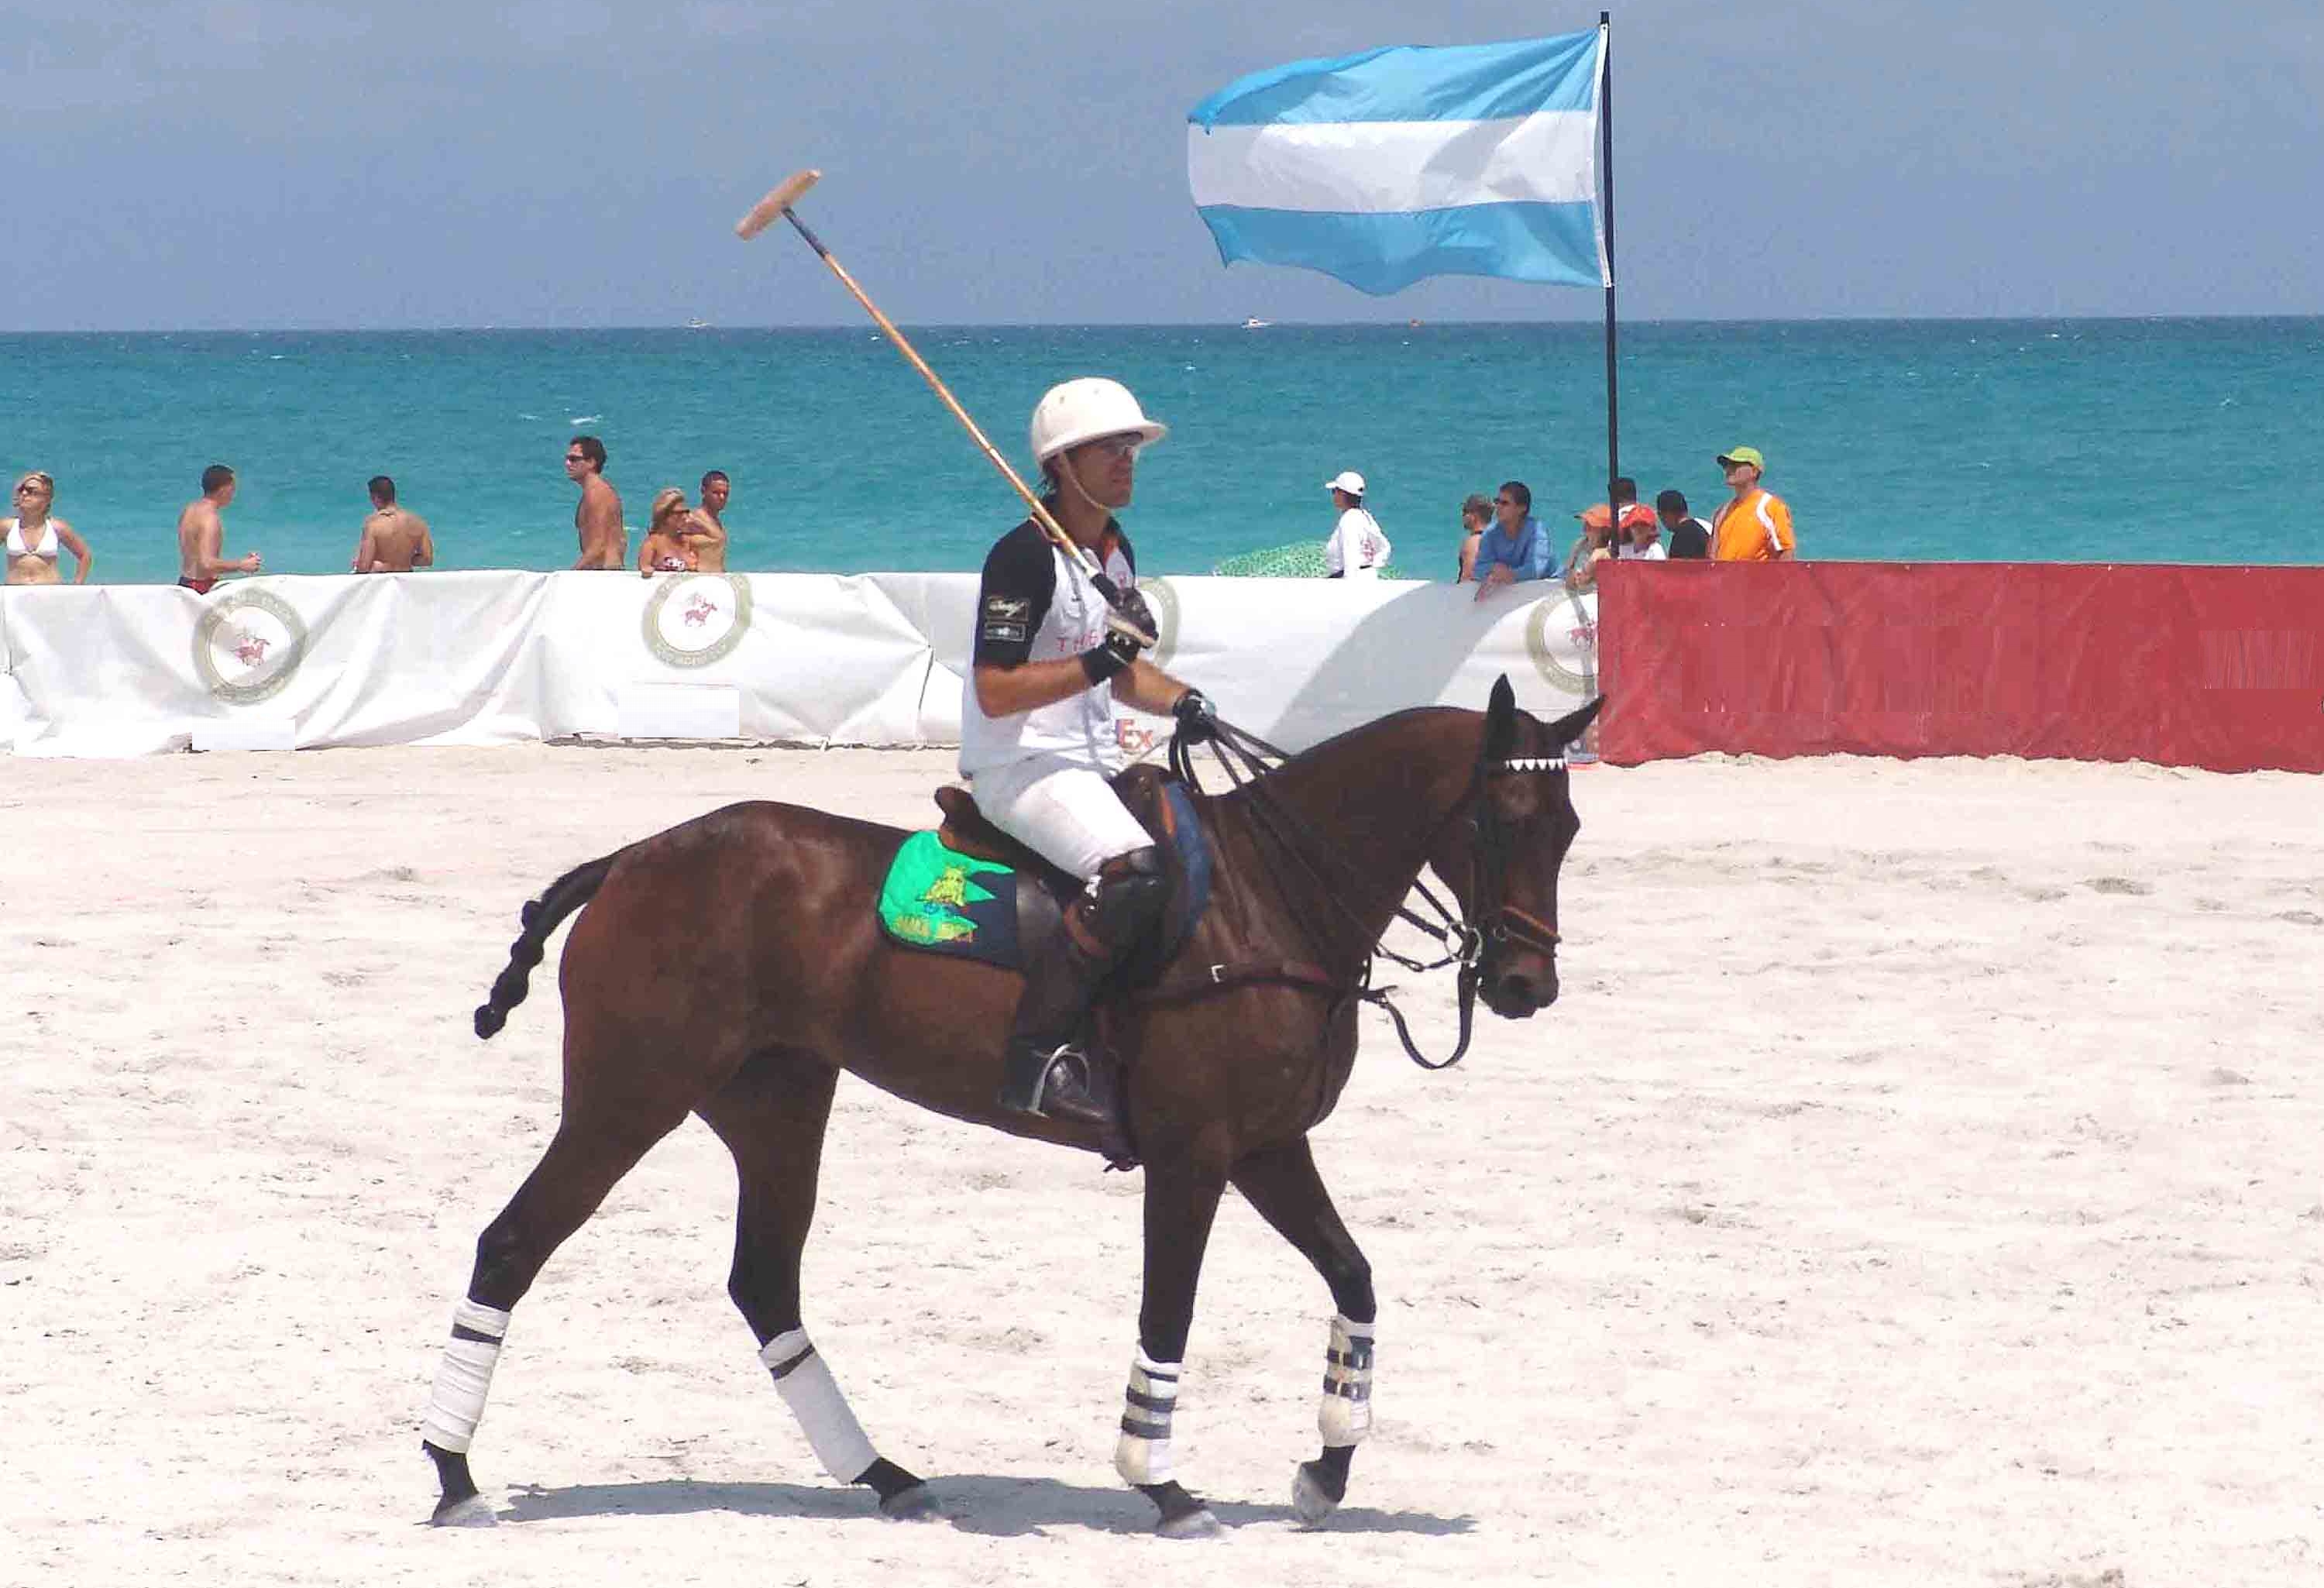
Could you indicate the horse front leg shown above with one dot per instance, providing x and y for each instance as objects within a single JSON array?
[
  {"x": 1182, "y": 1199},
  {"x": 1282, "y": 1183}
]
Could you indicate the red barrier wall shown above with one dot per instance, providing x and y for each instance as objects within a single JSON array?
[{"x": 2211, "y": 666}]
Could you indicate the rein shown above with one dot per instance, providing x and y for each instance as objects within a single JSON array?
[{"x": 1247, "y": 758}]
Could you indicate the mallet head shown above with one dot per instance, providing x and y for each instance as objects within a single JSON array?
[{"x": 768, "y": 211}]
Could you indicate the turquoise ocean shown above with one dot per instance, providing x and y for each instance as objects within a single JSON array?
[{"x": 2148, "y": 440}]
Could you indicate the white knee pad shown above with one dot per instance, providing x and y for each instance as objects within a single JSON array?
[
  {"x": 465, "y": 1377},
  {"x": 805, "y": 1383},
  {"x": 1346, "y": 1416},
  {"x": 1142, "y": 1454}
]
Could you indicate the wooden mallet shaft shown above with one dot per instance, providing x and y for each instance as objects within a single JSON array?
[{"x": 779, "y": 202}]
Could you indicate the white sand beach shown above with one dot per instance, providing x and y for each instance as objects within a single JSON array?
[{"x": 1917, "y": 1183}]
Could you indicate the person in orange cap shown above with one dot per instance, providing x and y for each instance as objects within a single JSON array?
[
  {"x": 1756, "y": 526},
  {"x": 1601, "y": 537}
]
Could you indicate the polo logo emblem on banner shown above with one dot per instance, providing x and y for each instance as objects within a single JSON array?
[
  {"x": 695, "y": 619},
  {"x": 248, "y": 646},
  {"x": 1164, "y": 599},
  {"x": 1578, "y": 627}
]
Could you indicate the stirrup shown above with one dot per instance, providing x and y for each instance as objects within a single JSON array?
[{"x": 1050, "y": 1085}]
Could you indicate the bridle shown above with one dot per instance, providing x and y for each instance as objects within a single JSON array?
[
  {"x": 1246, "y": 758},
  {"x": 1499, "y": 920}
]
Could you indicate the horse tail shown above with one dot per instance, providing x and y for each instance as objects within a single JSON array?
[{"x": 568, "y": 894}]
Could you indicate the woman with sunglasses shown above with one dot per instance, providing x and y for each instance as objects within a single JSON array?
[
  {"x": 664, "y": 550},
  {"x": 35, "y": 539}
]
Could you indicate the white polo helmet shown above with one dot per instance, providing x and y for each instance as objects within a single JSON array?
[{"x": 1075, "y": 411}]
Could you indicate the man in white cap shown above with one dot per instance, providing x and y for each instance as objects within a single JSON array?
[
  {"x": 1037, "y": 735},
  {"x": 1358, "y": 546}
]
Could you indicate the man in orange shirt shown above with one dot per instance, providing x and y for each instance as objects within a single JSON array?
[{"x": 1757, "y": 525}]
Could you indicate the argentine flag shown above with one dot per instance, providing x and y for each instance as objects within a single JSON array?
[{"x": 1382, "y": 168}]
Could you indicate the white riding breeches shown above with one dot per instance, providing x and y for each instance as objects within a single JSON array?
[{"x": 1060, "y": 809}]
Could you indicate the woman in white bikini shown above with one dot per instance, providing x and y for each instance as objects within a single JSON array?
[{"x": 35, "y": 540}]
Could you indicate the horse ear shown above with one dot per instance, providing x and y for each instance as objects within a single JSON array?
[
  {"x": 1500, "y": 720},
  {"x": 1566, "y": 729}
]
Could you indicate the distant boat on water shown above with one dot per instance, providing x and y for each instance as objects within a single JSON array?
[
  {"x": 1256, "y": 324},
  {"x": 697, "y": 325}
]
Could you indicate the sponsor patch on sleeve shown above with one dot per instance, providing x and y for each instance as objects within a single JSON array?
[{"x": 1004, "y": 618}]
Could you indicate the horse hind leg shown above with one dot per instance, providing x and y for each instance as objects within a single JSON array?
[
  {"x": 771, "y": 1117},
  {"x": 590, "y": 1154},
  {"x": 1283, "y": 1186}
]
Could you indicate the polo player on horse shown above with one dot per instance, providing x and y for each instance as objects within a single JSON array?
[{"x": 1037, "y": 735}]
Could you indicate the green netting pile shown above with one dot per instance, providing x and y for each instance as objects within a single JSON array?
[{"x": 1304, "y": 560}]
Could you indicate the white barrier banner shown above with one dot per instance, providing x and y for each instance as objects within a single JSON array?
[
  {"x": 1297, "y": 660},
  {"x": 817, "y": 657},
  {"x": 132, "y": 670},
  {"x": 875, "y": 659}
]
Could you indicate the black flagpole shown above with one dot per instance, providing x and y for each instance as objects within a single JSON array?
[{"x": 1606, "y": 170}]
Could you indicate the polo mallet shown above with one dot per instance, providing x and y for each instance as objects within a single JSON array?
[{"x": 779, "y": 203}]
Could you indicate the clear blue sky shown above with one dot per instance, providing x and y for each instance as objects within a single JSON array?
[{"x": 310, "y": 164}]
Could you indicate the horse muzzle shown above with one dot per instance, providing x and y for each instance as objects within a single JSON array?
[{"x": 1516, "y": 995}]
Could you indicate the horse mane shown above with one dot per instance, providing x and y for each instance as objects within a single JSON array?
[{"x": 1359, "y": 740}]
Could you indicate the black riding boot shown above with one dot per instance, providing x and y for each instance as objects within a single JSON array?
[{"x": 1044, "y": 1072}]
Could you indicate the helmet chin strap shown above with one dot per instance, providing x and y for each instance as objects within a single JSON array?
[{"x": 1064, "y": 471}]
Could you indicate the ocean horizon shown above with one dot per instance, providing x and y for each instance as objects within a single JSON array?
[{"x": 2144, "y": 440}]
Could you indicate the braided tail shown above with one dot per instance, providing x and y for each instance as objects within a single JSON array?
[{"x": 568, "y": 894}]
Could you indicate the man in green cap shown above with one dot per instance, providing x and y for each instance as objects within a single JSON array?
[{"x": 1757, "y": 525}]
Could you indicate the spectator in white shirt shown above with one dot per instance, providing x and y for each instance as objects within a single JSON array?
[
  {"x": 1359, "y": 548},
  {"x": 1646, "y": 541}
]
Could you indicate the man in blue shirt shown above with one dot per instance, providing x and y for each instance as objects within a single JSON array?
[{"x": 1515, "y": 547}]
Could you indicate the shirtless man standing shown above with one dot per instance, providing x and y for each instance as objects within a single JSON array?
[
  {"x": 201, "y": 535},
  {"x": 705, "y": 537},
  {"x": 605, "y": 543},
  {"x": 396, "y": 541}
]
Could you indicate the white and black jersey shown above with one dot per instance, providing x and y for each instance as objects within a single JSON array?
[{"x": 1034, "y": 604}]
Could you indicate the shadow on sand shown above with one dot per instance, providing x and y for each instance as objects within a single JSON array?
[{"x": 995, "y": 1507}]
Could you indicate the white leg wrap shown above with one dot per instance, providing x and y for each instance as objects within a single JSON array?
[
  {"x": 465, "y": 1377},
  {"x": 1347, "y": 1411},
  {"x": 1142, "y": 1454},
  {"x": 807, "y": 1388}
]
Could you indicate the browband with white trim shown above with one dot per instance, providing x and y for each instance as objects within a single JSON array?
[{"x": 1531, "y": 763}]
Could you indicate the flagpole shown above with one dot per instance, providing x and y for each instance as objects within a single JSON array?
[
  {"x": 1606, "y": 168},
  {"x": 1587, "y": 750}
]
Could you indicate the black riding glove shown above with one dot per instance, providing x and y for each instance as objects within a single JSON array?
[
  {"x": 1132, "y": 609},
  {"x": 1196, "y": 717},
  {"x": 1109, "y": 656},
  {"x": 1120, "y": 647}
]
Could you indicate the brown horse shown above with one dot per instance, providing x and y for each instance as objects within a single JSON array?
[{"x": 1239, "y": 1051}]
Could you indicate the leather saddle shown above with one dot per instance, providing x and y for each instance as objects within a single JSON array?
[{"x": 1162, "y": 806}]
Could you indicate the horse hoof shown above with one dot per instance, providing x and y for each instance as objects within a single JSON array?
[
  {"x": 475, "y": 1511},
  {"x": 1310, "y": 1501},
  {"x": 1197, "y": 1523},
  {"x": 914, "y": 1504}
]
